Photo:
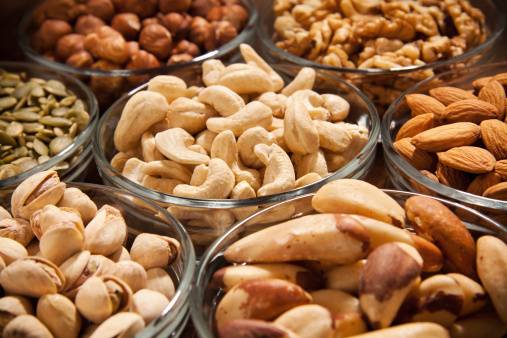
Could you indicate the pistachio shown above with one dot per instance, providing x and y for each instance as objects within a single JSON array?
[
  {"x": 26, "y": 326},
  {"x": 131, "y": 273},
  {"x": 124, "y": 324},
  {"x": 76, "y": 199},
  {"x": 59, "y": 315},
  {"x": 149, "y": 304},
  {"x": 11, "y": 307},
  {"x": 11, "y": 250},
  {"x": 154, "y": 251},
  {"x": 106, "y": 232},
  {"x": 17, "y": 229},
  {"x": 159, "y": 280},
  {"x": 120, "y": 255},
  {"x": 61, "y": 242},
  {"x": 51, "y": 216}
]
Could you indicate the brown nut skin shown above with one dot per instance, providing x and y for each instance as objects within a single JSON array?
[
  {"x": 133, "y": 48},
  {"x": 128, "y": 24},
  {"x": 68, "y": 45},
  {"x": 202, "y": 7},
  {"x": 167, "y": 6},
  {"x": 141, "y": 60},
  {"x": 179, "y": 58},
  {"x": 202, "y": 33},
  {"x": 186, "y": 47},
  {"x": 435, "y": 222},
  {"x": 107, "y": 44},
  {"x": 143, "y": 8},
  {"x": 49, "y": 33},
  {"x": 157, "y": 40},
  {"x": 224, "y": 32},
  {"x": 433, "y": 259},
  {"x": 177, "y": 23},
  {"x": 87, "y": 24},
  {"x": 149, "y": 21},
  {"x": 103, "y": 9},
  {"x": 248, "y": 328},
  {"x": 81, "y": 59},
  {"x": 236, "y": 14}
]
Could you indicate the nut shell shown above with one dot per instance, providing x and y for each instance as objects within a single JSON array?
[
  {"x": 106, "y": 232},
  {"x": 154, "y": 251},
  {"x": 59, "y": 315}
]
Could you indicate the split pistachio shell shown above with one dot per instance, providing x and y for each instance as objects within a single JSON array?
[
  {"x": 32, "y": 277},
  {"x": 121, "y": 325},
  {"x": 76, "y": 199},
  {"x": 60, "y": 243},
  {"x": 59, "y": 315},
  {"x": 10, "y": 250},
  {"x": 106, "y": 232},
  {"x": 4, "y": 214},
  {"x": 26, "y": 326},
  {"x": 149, "y": 304},
  {"x": 35, "y": 192},
  {"x": 160, "y": 281},
  {"x": 120, "y": 255},
  {"x": 345, "y": 277},
  {"x": 51, "y": 216},
  {"x": 307, "y": 321},
  {"x": 412, "y": 330},
  {"x": 131, "y": 273},
  {"x": 154, "y": 251},
  {"x": 17, "y": 229},
  {"x": 11, "y": 307}
]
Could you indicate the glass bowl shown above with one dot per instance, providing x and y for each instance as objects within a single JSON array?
[
  {"x": 403, "y": 175},
  {"x": 384, "y": 86},
  {"x": 362, "y": 112},
  {"x": 73, "y": 159},
  {"x": 143, "y": 216},
  {"x": 119, "y": 76},
  {"x": 205, "y": 298}
]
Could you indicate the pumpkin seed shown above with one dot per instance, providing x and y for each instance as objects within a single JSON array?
[
  {"x": 7, "y": 102},
  {"x": 6, "y": 139},
  {"x": 9, "y": 170},
  {"x": 59, "y": 143},
  {"x": 14, "y": 129},
  {"x": 32, "y": 128},
  {"x": 40, "y": 147},
  {"x": 25, "y": 163},
  {"x": 68, "y": 101},
  {"x": 59, "y": 112},
  {"x": 55, "y": 121},
  {"x": 37, "y": 91},
  {"x": 56, "y": 88},
  {"x": 25, "y": 116}
]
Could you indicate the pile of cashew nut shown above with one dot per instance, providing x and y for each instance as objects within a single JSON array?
[{"x": 244, "y": 134}]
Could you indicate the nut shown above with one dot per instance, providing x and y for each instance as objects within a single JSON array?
[
  {"x": 447, "y": 136},
  {"x": 202, "y": 33},
  {"x": 242, "y": 328},
  {"x": 494, "y": 136},
  {"x": 25, "y": 326},
  {"x": 167, "y": 6},
  {"x": 418, "y": 158},
  {"x": 178, "y": 24},
  {"x": 157, "y": 40},
  {"x": 469, "y": 159},
  {"x": 103, "y": 9},
  {"x": 81, "y": 59},
  {"x": 185, "y": 47},
  {"x": 49, "y": 33},
  {"x": 420, "y": 104},
  {"x": 416, "y": 125},
  {"x": 106, "y": 232},
  {"x": 449, "y": 95},
  {"x": 68, "y": 45},
  {"x": 307, "y": 321},
  {"x": 470, "y": 110},
  {"x": 154, "y": 251},
  {"x": 160, "y": 281},
  {"x": 17, "y": 229},
  {"x": 143, "y": 8},
  {"x": 121, "y": 324},
  {"x": 59, "y": 315},
  {"x": 494, "y": 93},
  {"x": 127, "y": 24},
  {"x": 88, "y": 24},
  {"x": 76, "y": 199}
]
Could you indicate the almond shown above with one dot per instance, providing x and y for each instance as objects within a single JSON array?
[
  {"x": 448, "y": 95},
  {"x": 483, "y": 182},
  {"x": 494, "y": 93},
  {"x": 501, "y": 169},
  {"x": 471, "y": 110},
  {"x": 420, "y": 159},
  {"x": 494, "y": 137},
  {"x": 502, "y": 78},
  {"x": 416, "y": 125},
  {"x": 424, "y": 104},
  {"x": 451, "y": 177},
  {"x": 469, "y": 159},
  {"x": 481, "y": 82},
  {"x": 498, "y": 191},
  {"x": 448, "y": 136}
]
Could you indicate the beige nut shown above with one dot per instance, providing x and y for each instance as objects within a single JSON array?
[
  {"x": 345, "y": 277},
  {"x": 17, "y": 229},
  {"x": 133, "y": 170},
  {"x": 251, "y": 57},
  {"x": 152, "y": 251},
  {"x": 160, "y": 281},
  {"x": 337, "y": 106},
  {"x": 279, "y": 175},
  {"x": 381, "y": 232},
  {"x": 173, "y": 144},
  {"x": 199, "y": 175},
  {"x": 305, "y": 79},
  {"x": 59, "y": 315},
  {"x": 307, "y": 321},
  {"x": 245, "y": 78},
  {"x": 243, "y": 190},
  {"x": 337, "y": 302},
  {"x": 76, "y": 199},
  {"x": 149, "y": 304},
  {"x": 120, "y": 255},
  {"x": 106, "y": 232},
  {"x": 211, "y": 71},
  {"x": 131, "y": 273},
  {"x": 310, "y": 163},
  {"x": 300, "y": 134},
  {"x": 274, "y": 101},
  {"x": 479, "y": 325},
  {"x": 205, "y": 139},
  {"x": 412, "y": 330},
  {"x": 26, "y": 326},
  {"x": 123, "y": 324},
  {"x": 189, "y": 114},
  {"x": 171, "y": 87},
  {"x": 248, "y": 140},
  {"x": 243, "y": 328},
  {"x": 11, "y": 250},
  {"x": 357, "y": 197},
  {"x": 325, "y": 237},
  {"x": 163, "y": 185},
  {"x": 4, "y": 214},
  {"x": 61, "y": 242},
  {"x": 35, "y": 192},
  {"x": 222, "y": 99},
  {"x": 119, "y": 159},
  {"x": 333, "y": 136},
  {"x": 167, "y": 169},
  {"x": 51, "y": 217},
  {"x": 11, "y": 307},
  {"x": 306, "y": 180},
  {"x": 474, "y": 295},
  {"x": 149, "y": 149}
]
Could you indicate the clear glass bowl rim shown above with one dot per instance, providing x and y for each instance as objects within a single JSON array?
[
  {"x": 267, "y": 42},
  {"x": 400, "y": 163},
  {"x": 346, "y": 170},
  {"x": 81, "y": 139},
  {"x": 24, "y": 43},
  {"x": 198, "y": 318}
]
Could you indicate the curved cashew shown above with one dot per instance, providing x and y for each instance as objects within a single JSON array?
[
  {"x": 170, "y": 86},
  {"x": 305, "y": 79},
  {"x": 218, "y": 183},
  {"x": 253, "y": 114},
  {"x": 243, "y": 190},
  {"x": 337, "y": 106},
  {"x": 276, "y": 124},
  {"x": 148, "y": 148},
  {"x": 164, "y": 185},
  {"x": 224, "y": 147},
  {"x": 119, "y": 159},
  {"x": 301, "y": 136},
  {"x": 278, "y": 134},
  {"x": 247, "y": 142},
  {"x": 199, "y": 175},
  {"x": 274, "y": 101},
  {"x": 189, "y": 114},
  {"x": 167, "y": 169},
  {"x": 222, "y": 99},
  {"x": 245, "y": 79},
  {"x": 218, "y": 219},
  {"x": 173, "y": 144},
  {"x": 279, "y": 175},
  {"x": 142, "y": 110},
  {"x": 333, "y": 136},
  {"x": 133, "y": 170},
  {"x": 205, "y": 139},
  {"x": 251, "y": 57},
  {"x": 198, "y": 149},
  {"x": 310, "y": 163},
  {"x": 307, "y": 179},
  {"x": 211, "y": 71}
]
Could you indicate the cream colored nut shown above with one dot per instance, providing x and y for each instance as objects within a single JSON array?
[
  {"x": 337, "y": 106},
  {"x": 59, "y": 315},
  {"x": 357, "y": 197},
  {"x": 61, "y": 242},
  {"x": 313, "y": 102},
  {"x": 279, "y": 175},
  {"x": 211, "y": 71},
  {"x": 310, "y": 163},
  {"x": 301, "y": 136},
  {"x": 217, "y": 219},
  {"x": 101, "y": 297},
  {"x": 243, "y": 190},
  {"x": 199, "y": 175},
  {"x": 479, "y": 325},
  {"x": 411, "y": 330},
  {"x": 163, "y": 185},
  {"x": 251, "y": 57},
  {"x": 35, "y": 192},
  {"x": 171, "y": 87},
  {"x": 11, "y": 307},
  {"x": 160, "y": 281},
  {"x": 306, "y": 180},
  {"x": 388, "y": 276},
  {"x": 307, "y": 321},
  {"x": 17, "y": 229},
  {"x": 167, "y": 169},
  {"x": 359, "y": 139},
  {"x": 32, "y": 277},
  {"x": 119, "y": 159},
  {"x": 349, "y": 324},
  {"x": 253, "y": 328},
  {"x": 148, "y": 148},
  {"x": 120, "y": 255},
  {"x": 339, "y": 303},
  {"x": 4, "y": 214},
  {"x": 51, "y": 216},
  {"x": 142, "y": 110},
  {"x": 173, "y": 144},
  {"x": 131, "y": 273},
  {"x": 297, "y": 239},
  {"x": 253, "y": 114},
  {"x": 133, "y": 170},
  {"x": 334, "y": 137},
  {"x": 222, "y": 99},
  {"x": 76, "y": 199},
  {"x": 345, "y": 277},
  {"x": 149, "y": 304},
  {"x": 106, "y": 232},
  {"x": 152, "y": 251},
  {"x": 279, "y": 138},
  {"x": 277, "y": 123},
  {"x": 274, "y": 101},
  {"x": 259, "y": 299},
  {"x": 11, "y": 250},
  {"x": 248, "y": 140},
  {"x": 245, "y": 79},
  {"x": 188, "y": 114},
  {"x": 198, "y": 149},
  {"x": 474, "y": 296},
  {"x": 2, "y": 264},
  {"x": 26, "y": 326},
  {"x": 205, "y": 139},
  {"x": 305, "y": 79},
  {"x": 382, "y": 233},
  {"x": 218, "y": 183},
  {"x": 123, "y": 324}
]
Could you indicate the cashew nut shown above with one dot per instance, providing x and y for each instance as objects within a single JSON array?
[
  {"x": 189, "y": 114},
  {"x": 198, "y": 149},
  {"x": 171, "y": 87},
  {"x": 173, "y": 144},
  {"x": 274, "y": 101},
  {"x": 247, "y": 142},
  {"x": 251, "y": 57},
  {"x": 167, "y": 169},
  {"x": 279, "y": 175},
  {"x": 245, "y": 79},
  {"x": 334, "y": 137},
  {"x": 253, "y": 114},
  {"x": 305, "y": 79},
  {"x": 218, "y": 183},
  {"x": 133, "y": 170},
  {"x": 307, "y": 179},
  {"x": 211, "y": 71},
  {"x": 310, "y": 163},
  {"x": 337, "y": 106},
  {"x": 278, "y": 134},
  {"x": 205, "y": 139},
  {"x": 164, "y": 185},
  {"x": 222, "y": 99},
  {"x": 118, "y": 160},
  {"x": 276, "y": 123},
  {"x": 199, "y": 175},
  {"x": 243, "y": 190},
  {"x": 301, "y": 136},
  {"x": 217, "y": 219},
  {"x": 148, "y": 148}
]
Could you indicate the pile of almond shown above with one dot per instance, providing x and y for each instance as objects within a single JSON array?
[{"x": 458, "y": 137}]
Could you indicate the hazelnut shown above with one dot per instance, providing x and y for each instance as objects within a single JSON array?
[
  {"x": 49, "y": 33},
  {"x": 50, "y": 55},
  {"x": 141, "y": 60},
  {"x": 87, "y": 24},
  {"x": 202, "y": 7},
  {"x": 103, "y": 9},
  {"x": 108, "y": 44},
  {"x": 149, "y": 21},
  {"x": 186, "y": 47},
  {"x": 132, "y": 47},
  {"x": 202, "y": 33},
  {"x": 167, "y": 6},
  {"x": 235, "y": 14},
  {"x": 69, "y": 44},
  {"x": 81, "y": 59},
  {"x": 177, "y": 23},
  {"x": 128, "y": 24},
  {"x": 143, "y": 8},
  {"x": 179, "y": 58},
  {"x": 224, "y": 32},
  {"x": 61, "y": 10},
  {"x": 157, "y": 40}
]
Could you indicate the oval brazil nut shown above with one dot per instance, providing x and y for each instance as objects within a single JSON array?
[
  {"x": 334, "y": 238},
  {"x": 411, "y": 330}
]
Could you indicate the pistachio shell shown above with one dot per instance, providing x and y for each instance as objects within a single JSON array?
[
  {"x": 159, "y": 280},
  {"x": 51, "y": 216},
  {"x": 4, "y": 214},
  {"x": 10, "y": 250},
  {"x": 120, "y": 255},
  {"x": 106, "y": 232},
  {"x": 11, "y": 307},
  {"x": 33, "y": 248},
  {"x": 2, "y": 264},
  {"x": 17, "y": 229},
  {"x": 61, "y": 242},
  {"x": 26, "y": 326},
  {"x": 131, "y": 273},
  {"x": 121, "y": 325},
  {"x": 60, "y": 315},
  {"x": 154, "y": 251},
  {"x": 75, "y": 198},
  {"x": 149, "y": 304}
]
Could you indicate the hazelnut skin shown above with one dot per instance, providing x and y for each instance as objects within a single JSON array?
[
  {"x": 141, "y": 60},
  {"x": 49, "y": 33},
  {"x": 177, "y": 23},
  {"x": 143, "y": 8},
  {"x": 132, "y": 47},
  {"x": 186, "y": 47},
  {"x": 202, "y": 33},
  {"x": 157, "y": 40},
  {"x": 61, "y": 10},
  {"x": 149, "y": 21},
  {"x": 202, "y": 7},
  {"x": 69, "y": 44},
  {"x": 108, "y": 44},
  {"x": 87, "y": 24},
  {"x": 179, "y": 58},
  {"x": 235, "y": 14},
  {"x": 81, "y": 59},
  {"x": 128, "y": 24},
  {"x": 167, "y": 6},
  {"x": 224, "y": 32},
  {"x": 103, "y": 9}
]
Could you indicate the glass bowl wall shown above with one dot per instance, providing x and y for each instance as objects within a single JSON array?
[{"x": 362, "y": 112}]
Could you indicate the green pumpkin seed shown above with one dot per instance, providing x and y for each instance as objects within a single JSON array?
[
  {"x": 23, "y": 90},
  {"x": 40, "y": 147},
  {"x": 6, "y": 139},
  {"x": 55, "y": 121},
  {"x": 59, "y": 112},
  {"x": 58, "y": 131},
  {"x": 15, "y": 129},
  {"x": 59, "y": 143},
  {"x": 7, "y": 102}
]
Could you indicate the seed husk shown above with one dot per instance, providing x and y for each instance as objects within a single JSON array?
[
  {"x": 59, "y": 143},
  {"x": 26, "y": 116},
  {"x": 14, "y": 129},
  {"x": 56, "y": 88},
  {"x": 40, "y": 147},
  {"x": 7, "y": 102},
  {"x": 55, "y": 121},
  {"x": 6, "y": 139},
  {"x": 32, "y": 128}
]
